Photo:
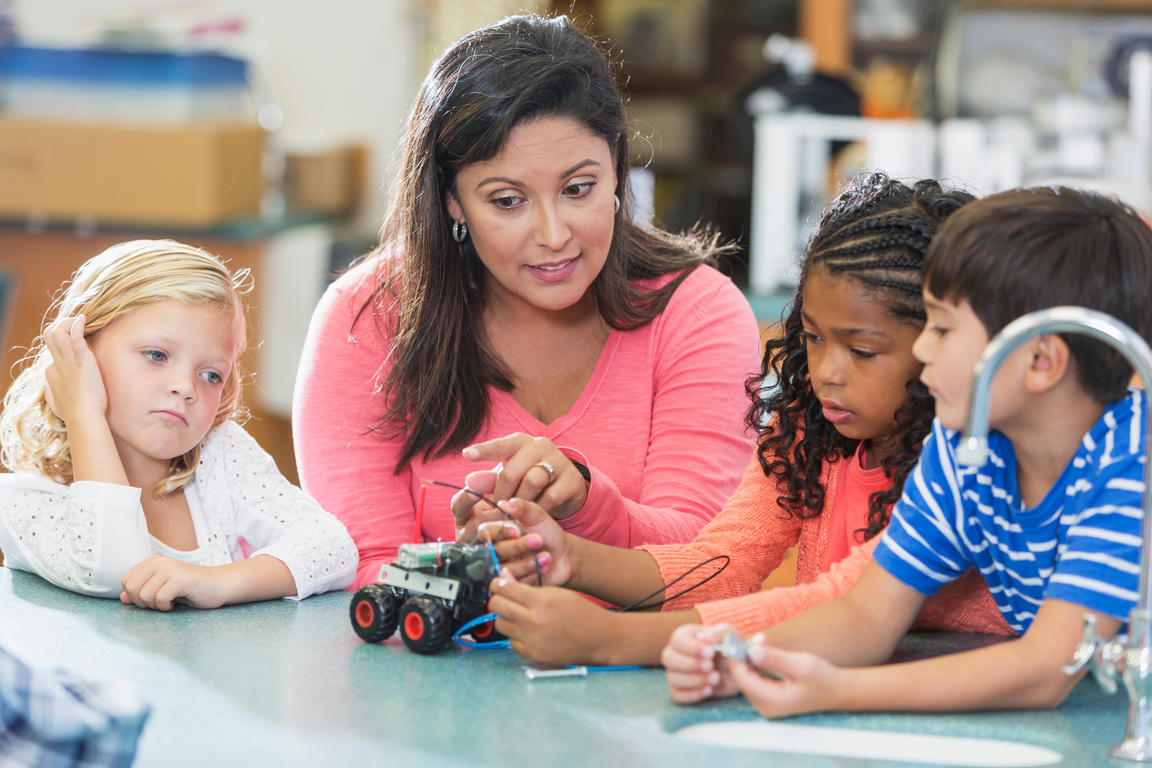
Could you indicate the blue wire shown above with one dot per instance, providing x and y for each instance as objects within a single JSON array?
[
  {"x": 457, "y": 638},
  {"x": 628, "y": 668}
]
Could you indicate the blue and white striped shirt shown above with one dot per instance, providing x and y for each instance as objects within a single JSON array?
[{"x": 1081, "y": 544}]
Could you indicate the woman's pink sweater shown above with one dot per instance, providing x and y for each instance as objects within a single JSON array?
[{"x": 659, "y": 424}]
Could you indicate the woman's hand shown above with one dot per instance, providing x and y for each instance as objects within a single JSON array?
[
  {"x": 694, "y": 670},
  {"x": 549, "y": 625},
  {"x": 520, "y": 473},
  {"x": 781, "y": 683},
  {"x": 160, "y": 582},
  {"x": 73, "y": 386}
]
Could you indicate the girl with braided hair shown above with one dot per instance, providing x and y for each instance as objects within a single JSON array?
[{"x": 840, "y": 429}]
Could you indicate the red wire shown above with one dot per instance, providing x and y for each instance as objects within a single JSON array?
[{"x": 417, "y": 535}]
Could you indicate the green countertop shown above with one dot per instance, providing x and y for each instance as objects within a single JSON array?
[{"x": 288, "y": 683}]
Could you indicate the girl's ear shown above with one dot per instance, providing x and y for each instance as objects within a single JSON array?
[{"x": 1051, "y": 360}]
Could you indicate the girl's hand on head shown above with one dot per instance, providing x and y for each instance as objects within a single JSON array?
[
  {"x": 549, "y": 625},
  {"x": 159, "y": 582},
  {"x": 519, "y": 474},
  {"x": 781, "y": 683},
  {"x": 694, "y": 671},
  {"x": 73, "y": 386}
]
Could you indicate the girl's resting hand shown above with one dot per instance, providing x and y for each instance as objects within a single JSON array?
[
  {"x": 799, "y": 682},
  {"x": 549, "y": 625},
  {"x": 694, "y": 671},
  {"x": 73, "y": 385},
  {"x": 160, "y": 582},
  {"x": 518, "y": 475}
]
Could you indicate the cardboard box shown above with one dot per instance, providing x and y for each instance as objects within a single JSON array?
[
  {"x": 195, "y": 175},
  {"x": 328, "y": 181}
]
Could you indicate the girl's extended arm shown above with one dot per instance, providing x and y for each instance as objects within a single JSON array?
[
  {"x": 550, "y": 625},
  {"x": 614, "y": 574},
  {"x": 751, "y": 531},
  {"x": 557, "y": 626}
]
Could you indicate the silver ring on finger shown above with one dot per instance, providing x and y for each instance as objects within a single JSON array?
[{"x": 544, "y": 465}]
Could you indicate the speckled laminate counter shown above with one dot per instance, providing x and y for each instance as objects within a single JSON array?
[{"x": 289, "y": 684}]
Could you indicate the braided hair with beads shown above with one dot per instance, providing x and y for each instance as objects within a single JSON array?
[{"x": 875, "y": 233}]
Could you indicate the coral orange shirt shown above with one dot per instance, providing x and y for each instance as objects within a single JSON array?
[{"x": 755, "y": 533}]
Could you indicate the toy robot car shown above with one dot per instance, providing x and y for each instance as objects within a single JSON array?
[{"x": 429, "y": 591}]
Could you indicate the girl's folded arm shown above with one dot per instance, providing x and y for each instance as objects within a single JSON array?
[{"x": 82, "y": 537}]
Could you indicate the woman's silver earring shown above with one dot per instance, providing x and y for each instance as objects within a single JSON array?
[
  {"x": 617, "y": 199},
  {"x": 459, "y": 231}
]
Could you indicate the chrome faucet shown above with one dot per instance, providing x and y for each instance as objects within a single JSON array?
[{"x": 1135, "y": 648}]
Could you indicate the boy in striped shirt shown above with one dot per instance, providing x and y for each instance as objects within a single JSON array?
[{"x": 1052, "y": 521}]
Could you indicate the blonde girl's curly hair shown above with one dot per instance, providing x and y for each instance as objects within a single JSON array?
[{"x": 116, "y": 283}]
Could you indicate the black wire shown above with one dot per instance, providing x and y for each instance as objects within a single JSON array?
[
  {"x": 638, "y": 605},
  {"x": 515, "y": 522}
]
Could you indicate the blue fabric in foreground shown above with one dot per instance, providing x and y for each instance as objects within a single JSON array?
[{"x": 54, "y": 719}]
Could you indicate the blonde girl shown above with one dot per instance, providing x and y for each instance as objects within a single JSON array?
[{"x": 129, "y": 475}]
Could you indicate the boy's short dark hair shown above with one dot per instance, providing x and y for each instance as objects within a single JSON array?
[{"x": 1027, "y": 249}]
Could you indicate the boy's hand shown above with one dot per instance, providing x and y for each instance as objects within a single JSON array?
[
  {"x": 782, "y": 683},
  {"x": 549, "y": 625},
  {"x": 160, "y": 582},
  {"x": 518, "y": 474},
  {"x": 73, "y": 385},
  {"x": 694, "y": 670}
]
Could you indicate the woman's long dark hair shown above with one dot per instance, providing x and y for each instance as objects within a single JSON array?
[
  {"x": 484, "y": 86},
  {"x": 876, "y": 233}
]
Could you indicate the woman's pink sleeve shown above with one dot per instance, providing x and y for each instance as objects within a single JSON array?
[
  {"x": 759, "y": 610},
  {"x": 705, "y": 346},
  {"x": 343, "y": 464}
]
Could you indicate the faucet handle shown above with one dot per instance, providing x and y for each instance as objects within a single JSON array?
[
  {"x": 1085, "y": 649},
  {"x": 1098, "y": 655}
]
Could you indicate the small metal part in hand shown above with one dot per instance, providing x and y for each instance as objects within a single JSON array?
[
  {"x": 732, "y": 646},
  {"x": 735, "y": 647}
]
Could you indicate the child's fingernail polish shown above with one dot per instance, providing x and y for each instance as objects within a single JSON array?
[
  {"x": 506, "y": 504},
  {"x": 471, "y": 453},
  {"x": 534, "y": 540},
  {"x": 544, "y": 559}
]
